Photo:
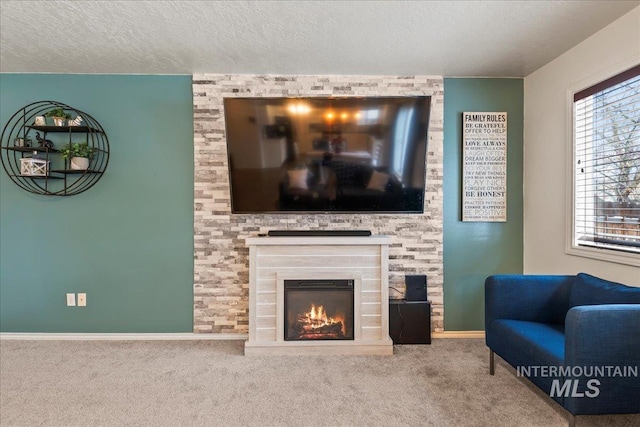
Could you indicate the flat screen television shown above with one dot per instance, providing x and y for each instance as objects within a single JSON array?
[{"x": 327, "y": 154}]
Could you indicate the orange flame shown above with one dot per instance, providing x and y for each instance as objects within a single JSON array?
[{"x": 317, "y": 317}]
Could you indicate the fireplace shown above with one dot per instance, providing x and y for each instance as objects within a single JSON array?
[
  {"x": 318, "y": 310},
  {"x": 311, "y": 295}
]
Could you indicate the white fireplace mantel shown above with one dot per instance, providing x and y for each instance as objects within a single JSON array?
[{"x": 361, "y": 259}]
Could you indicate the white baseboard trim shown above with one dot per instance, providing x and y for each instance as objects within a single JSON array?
[
  {"x": 458, "y": 334},
  {"x": 186, "y": 336},
  {"x": 38, "y": 336}
]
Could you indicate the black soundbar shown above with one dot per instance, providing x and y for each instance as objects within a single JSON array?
[{"x": 308, "y": 233}]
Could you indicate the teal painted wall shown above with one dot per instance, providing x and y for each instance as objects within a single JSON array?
[
  {"x": 128, "y": 241},
  {"x": 131, "y": 235},
  {"x": 475, "y": 250}
]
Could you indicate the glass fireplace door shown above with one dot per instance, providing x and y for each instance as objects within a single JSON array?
[{"x": 318, "y": 310}]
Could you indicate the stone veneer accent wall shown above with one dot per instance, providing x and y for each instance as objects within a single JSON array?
[{"x": 221, "y": 264}]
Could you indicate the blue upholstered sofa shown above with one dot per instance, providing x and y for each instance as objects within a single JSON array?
[{"x": 575, "y": 337}]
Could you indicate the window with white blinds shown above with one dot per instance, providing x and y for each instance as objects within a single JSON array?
[{"x": 606, "y": 210}]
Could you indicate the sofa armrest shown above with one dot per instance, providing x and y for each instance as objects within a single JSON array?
[
  {"x": 535, "y": 298},
  {"x": 599, "y": 335},
  {"x": 604, "y": 342}
]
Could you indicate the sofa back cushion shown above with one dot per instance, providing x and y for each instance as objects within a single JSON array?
[
  {"x": 528, "y": 297},
  {"x": 590, "y": 290}
]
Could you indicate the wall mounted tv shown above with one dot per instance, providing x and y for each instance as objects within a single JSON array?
[{"x": 327, "y": 154}]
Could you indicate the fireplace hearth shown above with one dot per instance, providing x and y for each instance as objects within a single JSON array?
[{"x": 318, "y": 310}]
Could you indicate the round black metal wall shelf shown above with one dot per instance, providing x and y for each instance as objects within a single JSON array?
[{"x": 32, "y": 144}]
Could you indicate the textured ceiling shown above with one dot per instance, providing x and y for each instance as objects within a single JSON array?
[{"x": 451, "y": 38}]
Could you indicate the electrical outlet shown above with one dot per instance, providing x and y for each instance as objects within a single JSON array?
[
  {"x": 71, "y": 300},
  {"x": 82, "y": 300}
]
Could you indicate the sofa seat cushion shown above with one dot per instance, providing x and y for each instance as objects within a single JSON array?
[
  {"x": 527, "y": 344},
  {"x": 590, "y": 290},
  {"x": 536, "y": 343}
]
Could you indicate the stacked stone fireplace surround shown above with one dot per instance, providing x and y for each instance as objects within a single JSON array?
[{"x": 221, "y": 257}]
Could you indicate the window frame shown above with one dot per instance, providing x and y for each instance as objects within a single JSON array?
[{"x": 571, "y": 248}]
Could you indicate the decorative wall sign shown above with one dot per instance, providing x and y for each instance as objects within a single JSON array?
[{"x": 484, "y": 170}]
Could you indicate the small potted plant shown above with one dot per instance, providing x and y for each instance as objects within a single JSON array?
[
  {"x": 78, "y": 154},
  {"x": 59, "y": 116}
]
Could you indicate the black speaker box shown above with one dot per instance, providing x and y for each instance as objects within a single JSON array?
[
  {"x": 410, "y": 322},
  {"x": 416, "y": 288}
]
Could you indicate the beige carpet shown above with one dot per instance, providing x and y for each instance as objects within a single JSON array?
[{"x": 211, "y": 383}]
